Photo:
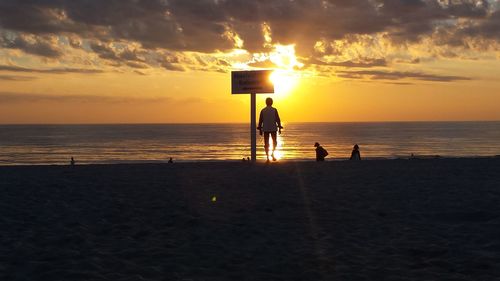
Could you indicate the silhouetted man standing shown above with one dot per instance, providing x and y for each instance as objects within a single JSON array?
[{"x": 269, "y": 123}]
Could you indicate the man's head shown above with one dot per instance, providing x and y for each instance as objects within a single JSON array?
[{"x": 269, "y": 101}]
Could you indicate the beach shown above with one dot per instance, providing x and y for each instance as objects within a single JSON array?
[{"x": 422, "y": 219}]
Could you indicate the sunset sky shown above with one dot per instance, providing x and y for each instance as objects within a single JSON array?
[{"x": 169, "y": 61}]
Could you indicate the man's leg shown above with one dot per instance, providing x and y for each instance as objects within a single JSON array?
[
  {"x": 275, "y": 144},
  {"x": 266, "y": 144}
]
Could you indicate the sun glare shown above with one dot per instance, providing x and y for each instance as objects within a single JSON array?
[
  {"x": 284, "y": 81},
  {"x": 285, "y": 78}
]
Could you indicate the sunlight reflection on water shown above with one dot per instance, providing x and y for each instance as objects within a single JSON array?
[{"x": 55, "y": 144}]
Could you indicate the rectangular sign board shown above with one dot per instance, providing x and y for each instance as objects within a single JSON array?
[{"x": 252, "y": 81}]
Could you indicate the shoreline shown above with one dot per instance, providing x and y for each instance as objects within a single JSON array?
[{"x": 177, "y": 161}]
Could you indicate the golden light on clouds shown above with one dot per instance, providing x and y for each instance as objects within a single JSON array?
[
  {"x": 284, "y": 57},
  {"x": 58, "y": 58}
]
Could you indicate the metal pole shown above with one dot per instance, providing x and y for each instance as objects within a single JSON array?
[{"x": 253, "y": 128}]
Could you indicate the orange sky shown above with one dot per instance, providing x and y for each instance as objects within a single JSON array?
[{"x": 60, "y": 75}]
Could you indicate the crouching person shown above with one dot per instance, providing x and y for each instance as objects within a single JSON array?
[{"x": 321, "y": 153}]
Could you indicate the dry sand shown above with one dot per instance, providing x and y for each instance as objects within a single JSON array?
[{"x": 436, "y": 219}]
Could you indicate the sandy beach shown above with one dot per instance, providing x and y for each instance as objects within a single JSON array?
[{"x": 433, "y": 219}]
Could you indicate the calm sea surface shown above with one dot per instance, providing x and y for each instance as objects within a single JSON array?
[{"x": 55, "y": 144}]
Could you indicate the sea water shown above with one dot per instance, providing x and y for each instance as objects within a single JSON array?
[{"x": 56, "y": 144}]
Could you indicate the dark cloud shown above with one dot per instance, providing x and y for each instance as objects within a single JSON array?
[
  {"x": 16, "y": 78},
  {"x": 399, "y": 83},
  {"x": 104, "y": 51},
  {"x": 210, "y": 25},
  {"x": 397, "y": 75},
  {"x": 170, "y": 62},
  {"x": 13, "y": 68},
  {"x": 420, "y": 16},
  {"x": 487, "y": 28},
  {"x": 363, "y": 63},
  {"x": 139, "y": 65},
  {"x": 31, "y": 45},
  {"x": 36, "y": 17},
  {"x": 134, "y": 58},
  {"x": 10, "y": 97},
  {"x": 172, "y": 67}
]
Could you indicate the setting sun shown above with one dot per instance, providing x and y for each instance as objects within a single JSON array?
[{"x": 284, "y": 81}]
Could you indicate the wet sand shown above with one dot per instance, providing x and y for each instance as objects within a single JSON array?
[{"x": 433, "y": 219}]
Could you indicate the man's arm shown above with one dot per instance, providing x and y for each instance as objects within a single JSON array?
[
  {"x": 261, "y": 121},
  {"x": 278, "y": 121}
]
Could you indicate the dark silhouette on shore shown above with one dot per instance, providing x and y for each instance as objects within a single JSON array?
[
  {"x": 321, "y": 153},
  {"x": 355, "y": 155},
  {"x": 269, "y": 123},
  {"x": 72, "y": 161},
  {"x": 170, "y": 160}
]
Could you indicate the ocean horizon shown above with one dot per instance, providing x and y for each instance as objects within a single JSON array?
[{"x": 49, "y": 144}]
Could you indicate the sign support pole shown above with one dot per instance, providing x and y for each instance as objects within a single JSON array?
[{"x": 253, "y": 127}]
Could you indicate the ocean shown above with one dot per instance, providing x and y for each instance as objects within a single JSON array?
[{"x": 56, "y": 144}]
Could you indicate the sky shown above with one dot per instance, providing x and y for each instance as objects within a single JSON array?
[{"x": 170, "y": 61}]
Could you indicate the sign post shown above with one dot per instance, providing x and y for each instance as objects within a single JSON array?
[
  {"x": 253, "y": 83},
  {"x": 253, "y": 127}
]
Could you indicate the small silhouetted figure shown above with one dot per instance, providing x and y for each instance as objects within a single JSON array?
[
  {"x": 244, "y": 159},
  {"x": 72, "y": 162},
  {"x": 269, "y": 123},
  {"x": 355, "y": 155},
  {"x": 321, "y": 153},
  {"x": 248, "y": 159},
  {"x": 170, "y": 160}
]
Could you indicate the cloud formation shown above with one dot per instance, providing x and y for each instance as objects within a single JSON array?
[
  {"x": 159, "y": 33},
  {"x": 16, "y": 78},
  {"x": 35, "y": 45},
  {"x": 363, "y": 63},
  {"x": 397, "y": 75},
  {"x": 200, "y": 25},
  {"x": 11, "y": 68},
  {"x": 11, "y": 97}
]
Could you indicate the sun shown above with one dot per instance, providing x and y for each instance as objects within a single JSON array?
[{"x": 284, "y": 81}]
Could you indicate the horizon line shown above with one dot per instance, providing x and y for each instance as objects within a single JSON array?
[{"x": 246, "y": 123}]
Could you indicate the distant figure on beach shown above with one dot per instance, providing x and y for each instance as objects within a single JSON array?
[
  {"x": 321, "y": 153},
  {"x": 269, "y": 123},
  {"x": 170, "y": 160},
  {"x": 355, "y": 155},
  {"x": 72, "y": 162}
]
